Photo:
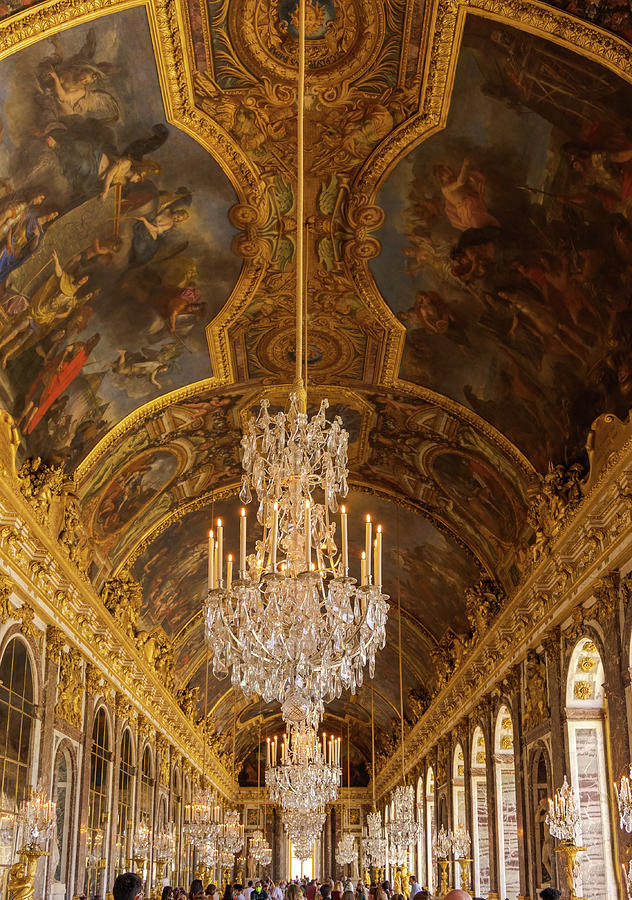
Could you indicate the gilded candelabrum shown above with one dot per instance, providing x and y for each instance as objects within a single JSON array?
[
  {"x": 139, "y": 862},
  {"x": 443, "y": 881},
  {"x": 22, "y": 874},
  {"x": 570, "y": 851},
  {"x": 464, "y": 863}
]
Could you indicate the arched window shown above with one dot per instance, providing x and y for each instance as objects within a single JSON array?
[
  {"x": 146, "y": 792},
  {"x": 458, "y": 787},
  {"x": 480, "y": 814},
  {"x": 506, "y": 811},
  {"x": 98, "y": 803},
  {"x": 431, "y": 826},
  {"x": 541, "y": 790},
  {"x": 125, "y": 817},
  {"x": 63, "y": 797},
  {"x": 17, "y": 716},
  {"x": 584, "y": 716}
]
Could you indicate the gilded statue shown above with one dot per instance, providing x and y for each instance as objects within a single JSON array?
[
  {"x": 536, "y": 701},
  {"x": 70, "y": 688},
  {"x": 483, "y": 602},
  {"x": 552, "y": 500},
  {"x": 188, "y": 700},
  {"x": 158, "y": 652},
  {"x": 40, "y": 484},
  {"x": 122, "y": 597},
  {"x": 9, "y": 443},
  {"x": 22, "y": 874}
]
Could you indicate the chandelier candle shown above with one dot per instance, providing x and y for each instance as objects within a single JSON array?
[
  {"x": 367, "y": 549},
  {"x": 242, "y": 543},
  {"x": 211, "y": 561},
  {"x": 220, "y": 554}
]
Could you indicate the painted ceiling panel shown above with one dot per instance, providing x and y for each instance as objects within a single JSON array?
[{"x": 505, "y": 249}]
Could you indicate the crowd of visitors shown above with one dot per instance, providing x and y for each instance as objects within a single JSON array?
[{"x": 130, "y": 887}]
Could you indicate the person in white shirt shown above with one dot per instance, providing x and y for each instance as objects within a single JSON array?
[
  {"x": 277, "y": 893},
  {"x": 414, "y": 886},
  {"x": 248, "y": 891}
]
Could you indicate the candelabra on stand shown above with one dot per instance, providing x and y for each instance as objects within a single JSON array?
[
  {"x": 142, "y": 847},
  {"x": 564, "y": 824},
  {"x": 36, "y": 816},
  {"x": 441, "y": 848},
  {"x": 164, "y": 846},
  {"x": 461, "y": 844}
]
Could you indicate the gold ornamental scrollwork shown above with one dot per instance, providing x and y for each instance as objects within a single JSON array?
[
  {"x": 26, "y": 615},
  {"x": 94, "y": 680},
  {"x": 6, "y": 589}
]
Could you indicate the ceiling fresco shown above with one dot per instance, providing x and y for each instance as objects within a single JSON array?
[
  {"x": 469, "y": 259},
  {"x": 115, "y": 255},
  {"x": 510, "y": 227}
]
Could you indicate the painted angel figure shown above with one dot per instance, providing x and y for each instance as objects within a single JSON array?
[{"x": 69, "y": 86}]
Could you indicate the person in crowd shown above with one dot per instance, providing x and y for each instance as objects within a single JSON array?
[
  {"x": 211, "y": 891},
  {"x": 348, "y": 895},
  {"x": 238, "y": 891},
  {"x": 458, "y": 894},
  {"x": 550, "y": 894},
  {"x": 248, "y": 890},
  {"x": 167, "y": 893},
  {"x": 275, "y": 891},
  {"x": 127, "y": 887},
  {"x": 360, "y": 891},
  {"x": 325, "y": 890},
  {"x": 310, "y": 890},
  {"x": 228, "y": 892},
  {"x": 293, "y": 891},
  {"x": 336, "y": 894},
  {"x": 414, "y": 886},
  {"x": 259, "y": 892},
  {"x": 196, "y": 891}
]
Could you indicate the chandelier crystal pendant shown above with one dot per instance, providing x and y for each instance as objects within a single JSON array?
[
  {"x": 347, "y": 850},
  {"x": 403, "y": 831},
  {"x": 307, "y": 773},
  {"x": 442, "y": 844},
  {"x": 37, "y": 817}
]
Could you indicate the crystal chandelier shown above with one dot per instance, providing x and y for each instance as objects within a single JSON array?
[
  {"x": 403, "y": 831},
  {"x": 208, "y": 852},
  {"x": 231, "y": 832},
  {"x": 164, "y": 845},
  {"x": 259, "y": 848},
  {"x": 563, "y": 815},
  {"x": 294, "y": 626},
  {"x": 202, "y": 814},
  {"x": 307, "y": 775},
  {"x": 142, "y": 841},
  {"x": 624, "y": 802},
  {"x": 303, "y": 827},
  {"x": 37, "y": 817},
  {"x": 374, "y": 842},
  {"x": 461, "y": 842},
  {"x": 347, "y": 851},
  {"x": 442, "y": 844},
  {"x": 225, "y": 858}
]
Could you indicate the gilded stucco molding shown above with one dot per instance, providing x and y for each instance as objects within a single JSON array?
[
  {"x": 59, "y": 596},
  {"x": 594, "y": 541}
]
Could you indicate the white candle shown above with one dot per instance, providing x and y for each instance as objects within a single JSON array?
[
  {"x": 367, "y": 548},
  {"x": 308, "y": 537},
  {"x": 275, "y": 534},
  {"x": 344, "y": 541},
  {"x": 268, "y": 753},
  {"x": 363, "y": 569},
  {"x": 242, "y": 543},
  {"x": 229, "y": 572},
  {"x": 378, "y": 556},
  {"x": 211, "y": 560},
  {"x": 220, "y": 553}
]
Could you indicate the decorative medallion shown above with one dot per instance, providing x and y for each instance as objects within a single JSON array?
[{"x": 343, "y": 37}]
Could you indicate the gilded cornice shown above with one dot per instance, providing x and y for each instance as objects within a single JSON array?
[
  {"x": 59, "y": 595},
  {"x": 596, "y": 539}
]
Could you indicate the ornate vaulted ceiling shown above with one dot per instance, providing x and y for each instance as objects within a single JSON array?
[{"x": 469, "y": 253}]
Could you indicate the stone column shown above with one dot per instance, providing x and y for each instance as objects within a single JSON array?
[
  {"x": 513, "y": 684},
  {"x": 328, "y": 868}
]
